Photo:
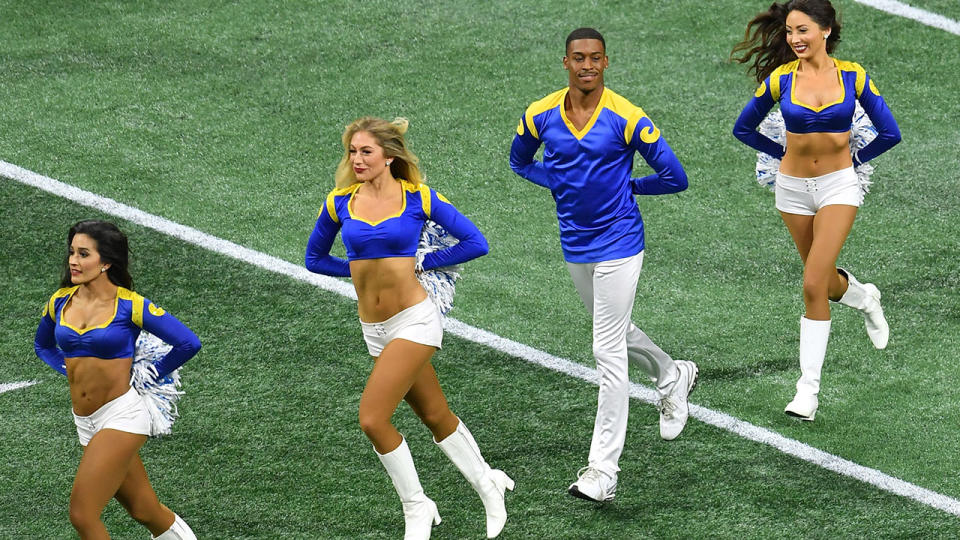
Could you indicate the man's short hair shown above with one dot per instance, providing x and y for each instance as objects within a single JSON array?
[{"x": 585, "y": 33}]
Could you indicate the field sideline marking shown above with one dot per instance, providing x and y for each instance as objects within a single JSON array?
[
  {"x": 6, "y": 387},
  {"x": 708, "y": 416},
  {"x": 916, "y": 14}
]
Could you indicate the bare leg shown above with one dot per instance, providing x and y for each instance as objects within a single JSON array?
[
  {"x": 427, "y": 400},
  {"x": 103, "y": 468},
  {"x": 394, "y": 374},
  {"x": 819, "y": 240},
  {"x": 137, "y": 496}
]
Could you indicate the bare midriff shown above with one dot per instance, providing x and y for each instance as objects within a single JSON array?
[
  {"x": 95, "y": 381},
  {"x": 385, "y": 287},
  {"x": 815, "y": 154}
]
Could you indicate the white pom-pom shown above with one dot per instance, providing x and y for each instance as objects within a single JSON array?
[
  {"x": 767, "y": 165},
  {"x": 160, "y": 397},
  {"x": 440, "y": 283},
  {"x": 861, "y": 133}
]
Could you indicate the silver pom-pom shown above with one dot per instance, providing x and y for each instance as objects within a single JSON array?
[
  {"x": 861, "y": 133},
  {"x": 159, "y": 396},
  {"x": 438, "y": 282}
]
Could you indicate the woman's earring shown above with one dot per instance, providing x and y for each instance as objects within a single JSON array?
[{"x": 102, "y": 269}]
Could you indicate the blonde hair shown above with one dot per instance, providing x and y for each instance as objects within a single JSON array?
[{"x": 389, "y": 135}]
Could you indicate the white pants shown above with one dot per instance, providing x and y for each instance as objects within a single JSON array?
[{"x": 608, "y": 289}]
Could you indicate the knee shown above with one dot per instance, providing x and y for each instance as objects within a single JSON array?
[
  {"x": 143, "y": 512},
  {"x": 371, "y": 422},
  {"x": 437, "y": 418},
  {"x": 81, "y": 517},
  {"x": 815, "y": 288}
]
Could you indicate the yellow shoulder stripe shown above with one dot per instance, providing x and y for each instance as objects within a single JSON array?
[
  {"x": 330, "y": 202},
  {"x": 761, "y": 89},
  {"x": 136, "y": 305},
  {"x": 537, "y": 107},
  {"x": 844, "y": 65},
  {"x": 425, "y": 200},
  {"x": 789, "y": 67},
  {"x": 49, "y": 308}
]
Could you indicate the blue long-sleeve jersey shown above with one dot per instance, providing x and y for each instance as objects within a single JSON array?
[{"x": 588, "y": 172}]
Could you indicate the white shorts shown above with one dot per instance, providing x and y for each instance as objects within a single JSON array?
[
  {"x": 805, "y": 196},
  {"x": 420, "y": 323},
  {"x": 125, "y": 413}
]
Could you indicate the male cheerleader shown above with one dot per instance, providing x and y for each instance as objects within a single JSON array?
[{"x": 590, "y": 136}]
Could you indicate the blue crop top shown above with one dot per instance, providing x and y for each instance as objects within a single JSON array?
[
  {"x": 834, "y": 117},
  {"x": 393, "y": 236},
  {"x": 115, "y": 338}
]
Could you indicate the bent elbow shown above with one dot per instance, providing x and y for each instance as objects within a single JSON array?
[
  {"x": 894, "y": 137},
  {"x": 483, "y": 248},
  {"x": 195, "y": 345},
  {"x": 681, "y": 182},
  {"x": 741, "y": 133},
  {"x": 312, "y": 264}
]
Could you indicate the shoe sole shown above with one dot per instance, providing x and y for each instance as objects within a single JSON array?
[
  {"x": 800, "y": 416},
  {"x": 696, "y": 379},
  {"x": 690, "y": 389},
  {"x": 576, "y": 493}
]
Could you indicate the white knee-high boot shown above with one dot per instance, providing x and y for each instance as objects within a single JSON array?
[
  {"x": 419, "y": 512},
  {"x": 865, "y": 297},
  {"x": 178, "y": 531},
  {"x": 813, "y": 347},
  {"x": 489, "y": 483}
]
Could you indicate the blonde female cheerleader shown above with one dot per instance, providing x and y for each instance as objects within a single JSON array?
[{"x": 380, "y": 206}]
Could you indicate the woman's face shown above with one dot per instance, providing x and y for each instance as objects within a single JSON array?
[
  {"x": 84, "y": 260},
  {"x": 366, "y": 156},
  {"x": 805, "y": 36}
]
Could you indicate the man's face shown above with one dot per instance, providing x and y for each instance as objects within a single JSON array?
[{"x": 585, "y": 61}]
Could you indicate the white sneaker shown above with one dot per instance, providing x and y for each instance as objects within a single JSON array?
[
  {"x": 594, "y": 485},
  {"x": 803, "y": 406},
  {"x": 673, "y": 406}
]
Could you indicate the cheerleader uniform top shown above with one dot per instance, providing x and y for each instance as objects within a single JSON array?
[
  {"x": 115, "y": 338},
  {"x": 588, "y": 172},
  {"x": 393, "y": 236},
  {"x": 834, "y": 117}
]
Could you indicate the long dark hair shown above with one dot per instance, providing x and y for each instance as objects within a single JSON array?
[
  {"x": 766, "y": 35},
  {"x": 112, "y": 247}
]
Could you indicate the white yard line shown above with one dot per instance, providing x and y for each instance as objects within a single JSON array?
[
  {"x": 909, "y": 12},
  {"x": 6, "y": 387},
  {"x": 708, "y": 416}
]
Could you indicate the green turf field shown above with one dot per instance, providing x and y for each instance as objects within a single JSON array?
[{"x": 226, "y": 117}]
